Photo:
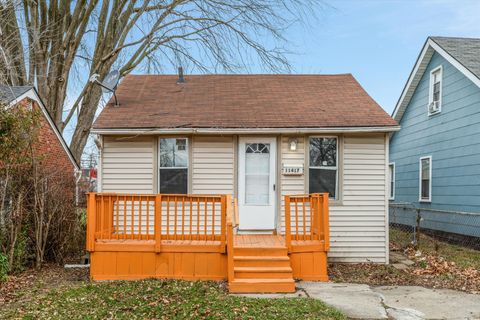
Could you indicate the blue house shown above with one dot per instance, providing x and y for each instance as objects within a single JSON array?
[{"x": 435, "y": 157}]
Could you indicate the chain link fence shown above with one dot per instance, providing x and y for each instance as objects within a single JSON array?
[{"x": 409, "y": 223}]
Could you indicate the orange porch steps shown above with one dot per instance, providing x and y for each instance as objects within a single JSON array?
[{"x": 261, "y": 266}]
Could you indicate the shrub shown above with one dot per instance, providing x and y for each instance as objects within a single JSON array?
[
  {"x": 3, "y": 267},
  {"x": 38, "y": 219}
]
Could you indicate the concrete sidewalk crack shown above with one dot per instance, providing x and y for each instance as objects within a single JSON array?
[
  {"x": 398, "y": 313},
  {"x": 304, "y": 291},
  {"x": 382, "y": 302}
]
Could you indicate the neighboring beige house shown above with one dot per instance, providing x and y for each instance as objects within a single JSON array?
[{"x": 257, "y": 137}]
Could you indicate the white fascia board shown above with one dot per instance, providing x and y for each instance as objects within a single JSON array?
[
  {"x": 245, "y": 130},
  {"x": 33, "y": 95},
  {"x": 455, "y": 63},
  {"x": 418, "y": 63}
]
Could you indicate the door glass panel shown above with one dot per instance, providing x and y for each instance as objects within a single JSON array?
[{"x": 257, "y": 173}]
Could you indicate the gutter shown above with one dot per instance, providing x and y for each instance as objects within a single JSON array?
[
  {"x": 140, "y": 131},
  {"x": 78, "y": 175}
]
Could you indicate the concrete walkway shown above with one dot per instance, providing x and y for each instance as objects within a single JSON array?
[{"x": 359, "y": 301}]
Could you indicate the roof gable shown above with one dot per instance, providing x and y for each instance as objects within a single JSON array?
[
  {"x": 462, "y": 53},
  {"x": 13, "y": 95},
  {"x": 9, "y": 93},
  {"x": 242, "y": 102}
]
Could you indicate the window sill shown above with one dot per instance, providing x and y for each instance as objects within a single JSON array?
[
  {"x": 431, "y": 114},
  {"x": 425, "y": 201},
  {"x": 335, "y": 203}
]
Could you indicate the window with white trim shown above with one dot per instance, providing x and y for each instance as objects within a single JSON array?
[
  {"x": 173, "y": 162},
  {"x": 391, "y": 175},
  {"x": 323, "y": 165},
  {"x": 435, "y": 92},
  {"x": 425, "y": 176}
]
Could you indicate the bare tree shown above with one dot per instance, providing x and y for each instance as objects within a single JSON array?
[
  {"x": 55, "y": 43},
  {"x": 52, "y": 210}
]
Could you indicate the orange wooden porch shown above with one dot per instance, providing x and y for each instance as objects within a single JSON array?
[{"x": 195, "y": 237}]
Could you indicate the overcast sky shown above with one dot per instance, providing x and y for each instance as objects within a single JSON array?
[{"x": 378, "y": 41}]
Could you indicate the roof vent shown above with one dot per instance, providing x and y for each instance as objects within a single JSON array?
[{"x": 181, "y": 78}]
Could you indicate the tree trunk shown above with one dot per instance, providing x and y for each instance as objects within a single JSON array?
[{"x": 85, "y": 120}]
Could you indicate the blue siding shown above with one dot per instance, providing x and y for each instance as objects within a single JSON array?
[{"x": 451, "y": 137}]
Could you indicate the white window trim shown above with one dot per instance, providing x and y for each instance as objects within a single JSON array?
[
  {"x": 325, "y": 168},
  {"x": 391, "y": 193},
  {"x": 430, "y": 90},
  {"x": 420, "y": 199},
  {"x": 188, "y": 161}
]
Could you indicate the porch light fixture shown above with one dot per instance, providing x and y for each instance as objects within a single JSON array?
[{"x": 293, "y": 144}]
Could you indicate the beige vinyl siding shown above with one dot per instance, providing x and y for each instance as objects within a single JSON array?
[
  {"x": 358, "y": 226},
  {"x": 358, "y": 218},
  {"x": 213, "y": 172},
  {"x": 128, "y": 164},
  {"x": 213, "y": 165},
  {"x": 291, "y": 184}
]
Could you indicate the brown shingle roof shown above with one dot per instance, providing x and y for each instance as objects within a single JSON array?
[{"x": 242, "y": 101}]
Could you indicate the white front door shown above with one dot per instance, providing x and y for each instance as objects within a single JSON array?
[{"x": 256, "y": 183}]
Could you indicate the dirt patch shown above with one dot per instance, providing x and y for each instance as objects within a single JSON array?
[{"x": 17, "y": 286}]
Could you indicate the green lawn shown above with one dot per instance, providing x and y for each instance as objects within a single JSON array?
[{"x": 158, "y": 299}]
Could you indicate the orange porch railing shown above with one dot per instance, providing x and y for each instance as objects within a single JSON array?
[
  {"x": 112, "y": 216},
  {"x": 230, "y": 234},
  {"x": 306, "y": 219}
]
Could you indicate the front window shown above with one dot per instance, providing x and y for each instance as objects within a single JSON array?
[
  {"x": 391, "y": 171},
  {"x": 426, "y": 179},
  {"x": 323, "y": 169},
  {"x": 173, "y": 171}
]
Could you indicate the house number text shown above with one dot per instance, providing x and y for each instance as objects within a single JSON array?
[{"x": 288, "y": 169}]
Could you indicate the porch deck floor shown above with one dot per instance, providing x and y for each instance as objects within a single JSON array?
[
  {"x": 307, "y": 242},
  {"x": 259, "y": 240}
]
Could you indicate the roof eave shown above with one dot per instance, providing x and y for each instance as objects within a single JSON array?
[{"x": 151, "y": 131}]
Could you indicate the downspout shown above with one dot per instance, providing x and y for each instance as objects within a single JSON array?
[
  {"x": 78, "y": 175},
  {"x": 98, "y": 139}
]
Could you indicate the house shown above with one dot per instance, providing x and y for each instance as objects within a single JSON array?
[
  {"x": 51, "y": 148},
  {"x": 435, "y": 157},
  {"x": 304, "y": 158}
]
